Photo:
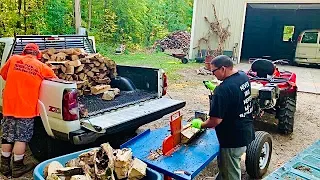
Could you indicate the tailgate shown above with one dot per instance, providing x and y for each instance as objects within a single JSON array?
[
  {"x": 306, "y": 165},
  {"x": 134, "y": 116}
]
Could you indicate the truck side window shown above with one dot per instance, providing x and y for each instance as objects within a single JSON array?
[
  {"x": 2, "y": 45},
  {"x": 310, "y": 37}
]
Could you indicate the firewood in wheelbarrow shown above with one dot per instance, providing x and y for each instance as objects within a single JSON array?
[
  {"x": 80, "y": 177},
  {"x": 54, "y": 177},
  {"x": 73, "y": 162},
  {"x": 138, "y": 170},
  {"x": 104, "y": 164},
  {"x": 123, "y": 159},
  {"x": 88, "y": 157},
  {"x": 70, "y": 171},
  {"x": 52, "y": 168}
]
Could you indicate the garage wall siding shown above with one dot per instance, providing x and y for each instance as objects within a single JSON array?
[{"x": 235, "y": 11}]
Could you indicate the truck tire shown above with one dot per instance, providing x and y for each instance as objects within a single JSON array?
[
  {"x": 286, "y": 115},
  {"x": 258, "y": 155},
  {"x": 44, "y": 147}
]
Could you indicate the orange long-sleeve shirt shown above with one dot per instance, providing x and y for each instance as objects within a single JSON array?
[{"x": 23, "y": 76}]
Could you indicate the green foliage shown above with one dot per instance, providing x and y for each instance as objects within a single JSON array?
[{"x": 136, "y": 23}]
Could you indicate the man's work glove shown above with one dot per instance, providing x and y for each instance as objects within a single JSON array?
[
  {"x": 209, "y": 85},
  {"x": 196, "y": 123}
]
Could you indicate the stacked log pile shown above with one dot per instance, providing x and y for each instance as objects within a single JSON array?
[
  {"x": 176, "y": 40},
  {"x": 100, "y": 163},
  {"x": 91, "y": 72}
]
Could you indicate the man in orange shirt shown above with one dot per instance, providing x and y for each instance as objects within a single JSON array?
[{"x": 23, "y": 75}]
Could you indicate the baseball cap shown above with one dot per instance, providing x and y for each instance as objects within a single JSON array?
[{"x": 31, "y": 46}]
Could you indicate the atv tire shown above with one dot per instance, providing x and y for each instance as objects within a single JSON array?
[
  {"x": 286, "y": 115},
  {"x": 258, "y": 155}
]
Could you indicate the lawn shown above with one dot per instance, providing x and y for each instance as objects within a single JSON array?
[{"x": 156, "y": 60}]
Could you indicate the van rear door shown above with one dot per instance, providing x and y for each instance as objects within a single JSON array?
[{"x": 308, "y": 47}]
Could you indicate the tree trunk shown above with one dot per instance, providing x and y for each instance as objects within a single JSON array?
[{"x": 90, "y": 13}]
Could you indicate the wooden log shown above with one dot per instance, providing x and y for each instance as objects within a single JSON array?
[
  {"x": 70, "y": 171},
  {"x": 52, "y": 168},
  {"x": 100, "y": 89},
  {"x": 53, "y": 57},
  {"x": 74, "y": 57},
  {"x": 96, "y": 63},
  {"x": 91, "y": 65},
  {"x": 53, "y": 177},
  {"x": 102, "y": 75},
  {"x": 79, "y": 177},
  {"x": 54, "y": 67},
  {"x": 70, "y": 70},
  {"x": 108, "y": 95},
  {"x": 88, "y": 157},
  {"x": 82, "y": 76},
  {"x": 104, "y": 164},
  {"x": 62, "y": 76},
  {"x": 188, "y": 134},
  {"x": 123, "y": 159},
  {"x": 80, "y": 68},
  {"x": 73, "y": 163},
  {"x": 46, "y": 56},
  {"x": 103, "y": 81},
  {"x": 63, "y": 69},
  {"x": 138, "y": 170},
  {"x": 95, "y": 70},
  {"x": 116, "y": 91},
  {"x": 102, "y": 66},
  {"x": 90, "y": 73},
  {"x": 75, "y": 63},
  {"x": 51, "y": 51},
  {"x": 85, "y": 61},
  {"x": 56, "y": 62},
  {"x": 61, "y": 56}
]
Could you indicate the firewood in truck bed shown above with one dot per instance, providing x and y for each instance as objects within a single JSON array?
[{"x": 74, "y": 64}]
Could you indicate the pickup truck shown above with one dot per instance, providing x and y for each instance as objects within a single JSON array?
[{"x": 141, "y": 100}]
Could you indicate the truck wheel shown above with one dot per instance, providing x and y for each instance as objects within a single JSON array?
[
  {"x": 184, "y": 60},
  {"x": 259, "y": 154},
  {"x": 286, "y": 115},
  {"x": 44, "y": 147}
]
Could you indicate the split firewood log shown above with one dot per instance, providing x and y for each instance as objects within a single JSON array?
[
  {"x": 79, "y": 177},
  {"x": 88, "y": 157},
  {"x": 46, "y": 56},
  {"x": 52, "y": 168},
  {"x": 104, "y": 81},
  {"x": 61, "y": 56},
  {"x": 188, "y": 134},
  {"x": 95, "y": 70},
  {"x": 80, "y": 68},
  {"x": 91, "y": 65},
  {"x": 96, "y": 63},
  {"x": 70, "y": 70},
  {"x": 104, "y": 165},
  {"x": 99, "y": 89},
  {"x": 70, "y": 171},
  {"x": 138, "y": 170},
  {"x": 53, "y": 177},
  {"x": 51, "y": 51},
  {"x": 123, "y": 159},
  {"x": 75, "y": 63},
  {"x": 73, "y": 163},
  {"x": 90, "y": 74}
]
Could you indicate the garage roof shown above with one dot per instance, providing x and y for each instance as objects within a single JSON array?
[{"x": 284, "y": 6}]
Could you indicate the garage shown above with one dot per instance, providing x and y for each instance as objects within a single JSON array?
[
  {"x": 272, "y": 30},
  {"x": 258, "y": 28}
]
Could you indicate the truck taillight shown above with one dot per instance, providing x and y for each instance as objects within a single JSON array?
[
  {"x": 299, "y": 39},
  {"x": 70, "y": 108},
  {"x": 165, "y": 84}
]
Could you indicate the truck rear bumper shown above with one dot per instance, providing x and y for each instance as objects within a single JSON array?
[{"x": 127, "y": 119}]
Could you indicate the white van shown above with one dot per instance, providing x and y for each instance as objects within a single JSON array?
[{"x": 308, "y": 47}]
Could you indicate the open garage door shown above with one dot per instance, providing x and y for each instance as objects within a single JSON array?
[{"x": 273, "y": 29}]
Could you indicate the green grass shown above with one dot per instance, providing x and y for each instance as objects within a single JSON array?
[{"x": 155, "y": 60}]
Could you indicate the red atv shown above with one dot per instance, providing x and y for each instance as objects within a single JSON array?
[{"x": 274, "y": 92}]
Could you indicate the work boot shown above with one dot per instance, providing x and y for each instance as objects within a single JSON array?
[
  {"x": 19, "y": 168},
  {"x": 5, "y": 168}
]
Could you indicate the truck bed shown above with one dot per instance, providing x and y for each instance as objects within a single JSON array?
[{"x": 96, "y": 105}]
